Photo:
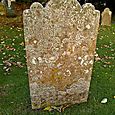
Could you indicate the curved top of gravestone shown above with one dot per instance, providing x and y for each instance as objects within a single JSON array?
[
  {"x": 60, "y": 19},
  {"x": 61, "y": 4},
  {"x": 62, "y": 12},
  {"x": 106, "y": 10}
]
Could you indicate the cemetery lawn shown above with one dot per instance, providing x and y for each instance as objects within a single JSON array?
[{"x": 14, "y": 89}]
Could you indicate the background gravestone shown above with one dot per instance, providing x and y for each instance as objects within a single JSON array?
[
  {"x": 9, "y": 11},
  {"x": 10, "y": 2},
  {"x": 60, "y": 42},
  {"x": 106, "y": 17}
]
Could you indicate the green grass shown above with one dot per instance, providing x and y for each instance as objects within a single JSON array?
[{"x": 14, "y": 89}]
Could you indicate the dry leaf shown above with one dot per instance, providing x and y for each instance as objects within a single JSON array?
[{"x": 104, "y": 100}]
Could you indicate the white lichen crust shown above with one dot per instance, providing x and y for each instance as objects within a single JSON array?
[{"x": 60, "y": 42}]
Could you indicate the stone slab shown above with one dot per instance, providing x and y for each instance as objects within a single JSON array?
[
  {"x": 106, "y": 17},
  {"x": 60, "y": 42}
]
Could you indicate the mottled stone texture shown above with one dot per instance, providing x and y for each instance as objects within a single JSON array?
[
  {"x": 106, "y": 17},
  {"x": 60, "y": 42}
]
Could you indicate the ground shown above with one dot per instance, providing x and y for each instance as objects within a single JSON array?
[{"x": 14, "y": 89}]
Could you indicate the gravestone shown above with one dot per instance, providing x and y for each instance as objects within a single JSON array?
[
  {"x": 106, "y": 17},
  {"x": 2, "y": 10},
  {"x": 10, "y": 2},
  {"x": 60, "y": 41}
]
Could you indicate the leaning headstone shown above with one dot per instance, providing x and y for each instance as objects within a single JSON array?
[
  {"x": 60, "y": 41},
  {"x": 2, "y": 10},
  {"x": 106, "y": 17}
]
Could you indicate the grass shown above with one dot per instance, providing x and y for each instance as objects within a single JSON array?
[{"x": 14, "y": 89}]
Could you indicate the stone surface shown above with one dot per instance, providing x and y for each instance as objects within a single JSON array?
[
  {"x": 2, "y": 10},
  {"x": 106, "y": 17},
  {"x": 60, "y": 41}
]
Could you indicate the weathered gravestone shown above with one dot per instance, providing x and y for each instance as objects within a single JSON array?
[
  {"x": 2, "y": 10},
  {"x": 60, "y": 42},
  {"x": 106, "y": 17}
]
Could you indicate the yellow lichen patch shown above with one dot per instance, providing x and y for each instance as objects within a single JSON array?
[
  {"x": 34, "y": 105},
  {"x": 48, "y": 108},
  {"x": 59, "y": 82},
  {"x": 92, "y": 46},
  {"x": 55, "y": 70},
  {"x": 57, "y": 77},
  {"x": 46, "y": 103}
]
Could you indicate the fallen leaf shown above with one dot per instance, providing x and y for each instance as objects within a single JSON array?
[
  {"x": 7, "y": 63},
  {"x": 107, "y": 63},
  {"x": 19, "y": 64},
  {"x": 22, "y": 44},
  {"x": 104, "y": 100},
  {"x": 49, "y": 108}
]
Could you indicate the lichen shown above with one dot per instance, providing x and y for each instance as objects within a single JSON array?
[{"x": 60, "y": 42}]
